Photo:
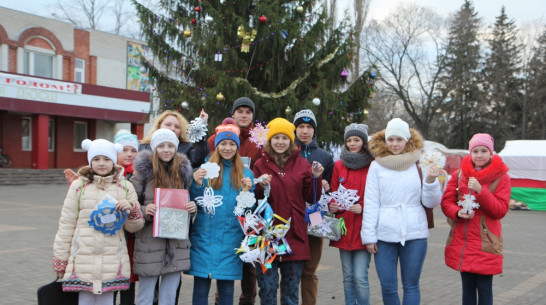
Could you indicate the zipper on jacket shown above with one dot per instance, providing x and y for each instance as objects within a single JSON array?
[
  {"x": 487, "y": 233},
  {"x": 464, "y": 246}
]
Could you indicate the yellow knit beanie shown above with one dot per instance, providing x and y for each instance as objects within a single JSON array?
[{"x": 280, "y": 125}]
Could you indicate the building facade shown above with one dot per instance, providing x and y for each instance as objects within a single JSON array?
[{"x": 60, "y": 85}]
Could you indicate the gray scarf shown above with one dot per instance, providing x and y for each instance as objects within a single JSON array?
[{"x": 354, "y": 160}]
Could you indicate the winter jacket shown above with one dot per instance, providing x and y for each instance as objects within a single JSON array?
[
  {"x": 354, "y": 179},
  {"x": 195, "y": 153},
  {"x": 311, "y": 152},
  {"x": 156, "y": 256},
  {"x": 246, "y": 148},
  {"x": 394, "y": 195},
  {"x": 214, "y": 237},
  {"x": 290, "y": 189},
  {"x": 94, "y": 261},
  {"x": 475, "y": 245}
]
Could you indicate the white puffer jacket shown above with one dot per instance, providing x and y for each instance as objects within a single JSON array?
[
  {"x": 94, "y": 261},
  {"x": 392, "y": 201}
]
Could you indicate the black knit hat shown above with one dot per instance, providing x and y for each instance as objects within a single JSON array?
[
  {"x": 305, "y": 116},
  {"x": 243, "y": 101},
  {"x": 359, "y": 130}
]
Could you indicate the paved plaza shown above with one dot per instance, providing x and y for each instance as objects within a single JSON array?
[{"x": 28, "y": 222}]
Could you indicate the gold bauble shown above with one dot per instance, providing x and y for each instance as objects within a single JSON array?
[
  {"x": 299, "y": 9},
  {"x": 220, "y": 97},
  {"x": 288, "y": 110},
  {"x": 187, "y": 33}
]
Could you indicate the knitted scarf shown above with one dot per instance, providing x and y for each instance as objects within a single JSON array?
[
  {"x": 400, "y": 162},
  {"x": 353, "y": 160}
]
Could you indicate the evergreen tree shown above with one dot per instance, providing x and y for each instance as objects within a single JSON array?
[
  {"x": 462, "y": 108},
  {"x": 502, "y": 81},
  {"x": 537, "y": 91},
  {"x": 279, "y": 53}
]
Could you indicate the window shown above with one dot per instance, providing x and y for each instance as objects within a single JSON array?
[
  {"x": 80, "y": 134},
  {"x": 27, "y": 134},
  {"x": 51, "y": 136},
  {"x": 38, "y": 64},
  {"x": 79, "y": 71}
]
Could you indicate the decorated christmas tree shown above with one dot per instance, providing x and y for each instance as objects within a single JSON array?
[{"x": 281, "y": 54}]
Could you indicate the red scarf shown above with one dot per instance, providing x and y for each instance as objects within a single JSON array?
[{"x": 488, "y": 174}]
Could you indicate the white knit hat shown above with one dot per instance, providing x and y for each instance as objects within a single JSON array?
[
  {"x": 163, "y": 135},
  {"x": 125, "y": 138},
  {"x": 101, "y": 147},
  {"x": 397, "y": 127}
]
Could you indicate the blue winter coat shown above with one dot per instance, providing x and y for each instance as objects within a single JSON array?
[{"x": 215, "y": 238}]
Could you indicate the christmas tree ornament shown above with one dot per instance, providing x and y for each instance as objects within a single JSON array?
[
  {"x": 263, "y": 19},
  {"x": 299, "y": 9},
  {"x": 197, "y": 9},
  {"x": 258, "y": 135},
  {"x": 284, "y": 34},
  {"x": 185, "y": 105},
  {"x": 344, "y": 74},
  {"x": 218, "y": 56},
  {"x": 372, "y": 75},
  {"x": 187, "y": 33},
  {"x": 468, "y": 204},
  {"x": 345, "y": 197},
  {"x": 316, "y": 101},
  {"x": 220, "y": 97},
  {"x": 193, "y": 20},
  {"x": 247, "y": 36},
  {"x": 288, "y": 110},
  {"x": 197, "y": 129}
]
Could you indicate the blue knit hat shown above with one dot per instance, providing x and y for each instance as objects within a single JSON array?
[{"x": 227, "y": 132}]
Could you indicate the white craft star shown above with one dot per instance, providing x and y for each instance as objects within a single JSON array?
[
  {"x": 345, "y": 198},
  {"x": 468, "y": 204},
  {"x": 209, "y": 201}
]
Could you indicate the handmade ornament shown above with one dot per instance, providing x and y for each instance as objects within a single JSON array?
[
  {"x": 331, "y": 228},
  {"x": 344, "y": 197},
  {"x": 213, "y": 170},
  {"x": 245, "y": 201},
  {"x": 105, "y": 218},
  {"x": 258, "y": 135},
  {"x": 196, "y": 130},
  {"x": 430, "y": 158},
  {"x": 247, "y": 36},
  {"x": 468, "y": 204},
  {"x": 209, "y": 202}
]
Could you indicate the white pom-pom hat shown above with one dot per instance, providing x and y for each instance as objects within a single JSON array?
[{"x": 101, "y": 147}]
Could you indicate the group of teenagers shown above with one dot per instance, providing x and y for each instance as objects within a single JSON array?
[{"x": 388, "y": 221}]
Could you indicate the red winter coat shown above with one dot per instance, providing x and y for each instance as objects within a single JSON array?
[
  {"x": 289, "y": 192},
  {"x": 475, "y": 245},
  {"x": 354, "y": 179}
]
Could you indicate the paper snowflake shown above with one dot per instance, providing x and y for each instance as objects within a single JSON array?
[
  {"x": 196, "y": 130},
  {"x": 105, "y": 218},
  {"x": 213, "y": 170},
  {"x": 209, "y": 201},
  {"x": 468, "y": 204},
  {"x": 324, "y": 200},
  {"x": 258, "y": 135},
  {"x": 345, "y": 198},
  {"x": 430, "y": 158},
  {"x": 171, "y": 222},
  {"x": 245, "y": 200}
]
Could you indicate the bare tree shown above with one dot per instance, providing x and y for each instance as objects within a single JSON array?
[
  {"x": 361, "y": 12},
  {"x": 81, "y": 13},
  {"x": 399, "y": 47}
]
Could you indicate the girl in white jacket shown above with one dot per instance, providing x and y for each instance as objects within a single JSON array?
[
  {"x": 394, "y": 225},
  {"x": 90, "y": 252}
]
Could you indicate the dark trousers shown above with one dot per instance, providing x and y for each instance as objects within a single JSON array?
[
  {"x": 248, "y": 285},
  {"x": 477, "y": 283}
]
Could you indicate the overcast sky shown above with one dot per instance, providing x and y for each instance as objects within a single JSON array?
[{"x": 523, "y": 11}]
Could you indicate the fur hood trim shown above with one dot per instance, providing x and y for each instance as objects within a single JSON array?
[
  {"x": 143, "y": 164},
  {"x": 378, "y": 145}
]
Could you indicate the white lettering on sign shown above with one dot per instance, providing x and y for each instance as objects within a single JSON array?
[
  {"x": 2, "y": 91},
  {"x": 36, "y": 95},
  {"x": 38, "y": 83}
]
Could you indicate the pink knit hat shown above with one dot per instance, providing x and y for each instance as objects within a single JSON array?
[{"x": 482, "y": 139}]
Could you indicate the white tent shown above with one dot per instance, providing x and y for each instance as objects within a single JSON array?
[{"x": 526, "y": 159}]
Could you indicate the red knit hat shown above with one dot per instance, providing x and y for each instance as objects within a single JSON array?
[{"x": 482, "y": 139}]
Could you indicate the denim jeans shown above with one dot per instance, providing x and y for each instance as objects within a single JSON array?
[
  {"x": 290, "y": 281},
  {"x": 355, "y": 266},
  {"x": 167, "y": 289},
  {"x": 473, "y": 282},
  {"x": 412, "y": 256},
  {"x": 201, "y": 288}
]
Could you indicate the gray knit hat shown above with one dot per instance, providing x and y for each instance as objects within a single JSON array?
[
  {"x": 305, "y": 116},
  {"x": 243, "y": 101},
  {"x": 359, "y": 130}
]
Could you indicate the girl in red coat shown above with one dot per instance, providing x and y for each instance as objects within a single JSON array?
[
  {"x": 292, "y": 184},
  {"x": 351, "y": 172},
  {"x": 474, "y": 245}
]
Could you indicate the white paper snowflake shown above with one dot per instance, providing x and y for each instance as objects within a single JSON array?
[
  {"x": 324, "y": 201},
  {"x": 213, "y": 170},
  {"x": 345, "y": 198},
  {"x": 196, "y": 130},
  {"x": 209, "y": 201},
  {"x": 245, "y": 200},
  {"x": 468, "y": 204},
  {"x": 430, "y": 158},
  {"x": 171, "y": 222}
]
